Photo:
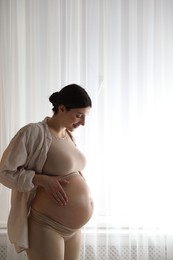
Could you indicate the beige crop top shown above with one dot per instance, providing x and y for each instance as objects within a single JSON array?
[{"x": 63, "y": 158}]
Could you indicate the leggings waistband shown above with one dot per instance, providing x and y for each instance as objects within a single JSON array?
[{"x": 48, "y": 222}]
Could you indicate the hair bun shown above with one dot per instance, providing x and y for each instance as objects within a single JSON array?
[{"x": 53, "y": 98}]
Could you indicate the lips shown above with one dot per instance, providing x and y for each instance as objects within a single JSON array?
[{"x": 75, "y": 125}]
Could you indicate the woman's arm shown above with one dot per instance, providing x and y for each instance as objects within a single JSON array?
[{"x": 13, "y": 173}]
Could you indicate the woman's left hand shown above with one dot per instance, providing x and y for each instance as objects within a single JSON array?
[{"x": 53, "y": 185}]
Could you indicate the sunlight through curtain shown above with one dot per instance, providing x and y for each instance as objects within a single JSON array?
[{"x": 121, "y": 51}]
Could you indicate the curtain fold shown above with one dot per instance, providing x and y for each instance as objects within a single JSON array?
[{"x": 121, "y": 51}]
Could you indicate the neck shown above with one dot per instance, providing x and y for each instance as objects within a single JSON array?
[{"x": 56, "y": 129}]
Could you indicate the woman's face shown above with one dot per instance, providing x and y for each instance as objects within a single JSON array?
[{"x": 73, "y": 118}]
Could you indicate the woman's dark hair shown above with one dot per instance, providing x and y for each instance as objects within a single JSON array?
[{"x": 71, "y": 96}]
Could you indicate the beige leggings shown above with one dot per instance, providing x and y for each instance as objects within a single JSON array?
[{"x": 50, "y": 240}]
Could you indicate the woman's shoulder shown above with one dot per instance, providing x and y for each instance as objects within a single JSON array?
[
  {"x": 31, "y": 127},
  {"x": 34, "y": 128}
]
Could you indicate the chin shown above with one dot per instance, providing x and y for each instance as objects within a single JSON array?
[{"x": 71, "y": 129}]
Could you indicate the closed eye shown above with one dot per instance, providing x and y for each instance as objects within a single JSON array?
[{"x": 79, "y": 115}]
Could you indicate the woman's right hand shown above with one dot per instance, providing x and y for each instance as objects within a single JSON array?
[{"x": 53, "y": 185}]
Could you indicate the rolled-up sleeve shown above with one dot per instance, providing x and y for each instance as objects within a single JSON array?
[{"x": 14, "y": 173}]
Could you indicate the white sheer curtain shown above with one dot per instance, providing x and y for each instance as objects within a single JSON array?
[{"x": 121, "y": 51}]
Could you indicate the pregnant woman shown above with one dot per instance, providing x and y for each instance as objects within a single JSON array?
[{"x": 50, "y": 197}]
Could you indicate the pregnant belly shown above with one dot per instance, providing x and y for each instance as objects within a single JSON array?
[{"x": 78, "y": 210}]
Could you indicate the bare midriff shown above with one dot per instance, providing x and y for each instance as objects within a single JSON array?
[{"x": 78, "y": 209}]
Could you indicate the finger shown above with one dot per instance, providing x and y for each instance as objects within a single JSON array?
[
  {"x": 62, "y": 196},
  {"x": 63, "y": 181},
  {"x": 57, "y": 200}
]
